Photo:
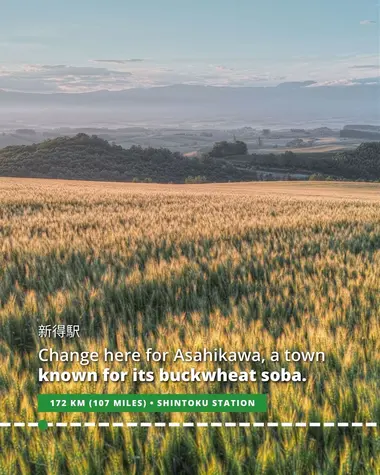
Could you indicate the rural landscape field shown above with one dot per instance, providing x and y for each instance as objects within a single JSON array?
[{"x": 253, "y": 266}]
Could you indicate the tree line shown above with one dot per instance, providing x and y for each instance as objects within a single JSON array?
[{"x": 84, "y": 157}]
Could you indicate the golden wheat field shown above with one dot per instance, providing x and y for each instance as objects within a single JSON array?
[{"x": 262, "y": 266}]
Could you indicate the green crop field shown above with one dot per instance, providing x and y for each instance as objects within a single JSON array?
[{"x": 266, "y": 267}]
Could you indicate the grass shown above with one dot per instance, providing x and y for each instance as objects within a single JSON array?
[{"x": 241, "y": 266}]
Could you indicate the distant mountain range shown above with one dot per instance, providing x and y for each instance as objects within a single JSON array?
[
  {"x": 210, "y": 94},
  {"x": 288, "y": 104}
]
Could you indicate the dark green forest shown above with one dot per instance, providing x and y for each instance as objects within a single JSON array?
[{"x": 91, "y": 158}]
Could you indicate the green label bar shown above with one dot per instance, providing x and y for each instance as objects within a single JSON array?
[{"x": 152, "y": 403}]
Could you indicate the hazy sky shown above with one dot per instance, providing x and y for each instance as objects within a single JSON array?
[{"x": 219, "y": 42}]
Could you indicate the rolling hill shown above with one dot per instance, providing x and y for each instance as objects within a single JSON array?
[{"x": 92, "y": 158}]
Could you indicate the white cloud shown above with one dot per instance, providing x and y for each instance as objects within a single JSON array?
[
  {"x": 367, "y": 22},
  {"x": 56, "y": 78},
  {"x": 348, "y": 82},
  {"x": 125, "y": 74},
  {"x": 336, "y": 82},
  {"x": 366, "y": 66},
  {"x": 118, "y": 61}
]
